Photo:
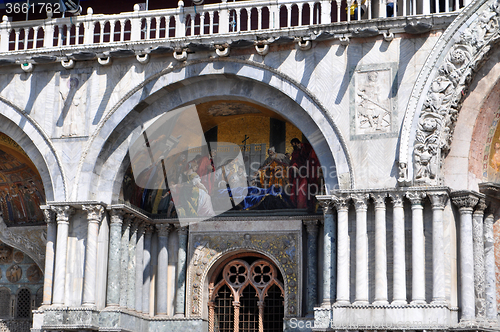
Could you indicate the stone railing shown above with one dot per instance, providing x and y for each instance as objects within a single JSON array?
[{"x": 233, "y": 18}]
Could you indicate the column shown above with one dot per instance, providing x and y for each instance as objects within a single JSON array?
[
  {"x": 380, "y": 250},
  {"x": 115, "y": 234},
  {"x": 343, "y": 281},
  {"x": 94, "y": 217},
  {"x": 124, "y": 260},
  {"x": 465, "y": 202},
  {"x": 180, "y": 292},
  {"x": 417, "y": 247},
  {"x": 163, "y": 231},
  {"x": 146, "y": 264},
  {"x": 62, "y": 216},
  {"x": 438, "y": 201},
  {"x": 398, "y": 248},
  {"x": 312, "y": 262},
  {"x": 139, "y": 271},
  {"x": 132, "y": 246},
  {"x": 361, "y": 296},
  {"x": 328, "y": 253},
  {"x": 478, "y": 247},
  {"x": 489, "y": 263},
  {"x": 49, "y": 256}
]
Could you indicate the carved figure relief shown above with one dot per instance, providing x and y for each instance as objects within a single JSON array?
[
  {"x": 5, "y": 254},
  {"x": 33, "y": 273},
  {"x": 73, "y": 104},
  {"x": 14, "y": 273},
  {"x": 18, "y": 257}
]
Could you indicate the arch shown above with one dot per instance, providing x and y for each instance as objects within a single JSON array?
[
  {"x": 107, "y": 147},
  {"x": 437, "y": 95}
]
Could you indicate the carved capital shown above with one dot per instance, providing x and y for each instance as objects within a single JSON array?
[
  {"x": 94, "y": 212},
  {"x": 397, "y": 199},
  {"x": 49, "y": 216},
  {"x": 182, "y": 230},
  {"x": 464, "y": 200},
  {"x": 63, "y": 213},
  {"x": 163, "y": 229},
  {"x": 415, "y": 197},
  {"x": 379, "y": 199},
  {"x": 360, "y": 201},
  {"x": 134, "y": 227},
  {"x": 438, "y": 199},
  {"x": 326, "y": 206},
  {"x": 117, "y": 216},
  {"x": 341, "y": 202},
  {"x": 142, "y": 228},
  {"x": 480, "y": 207},
  {"x": 311, "y": 226}
]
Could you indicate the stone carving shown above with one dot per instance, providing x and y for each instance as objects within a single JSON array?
[
  {"x": 464, "y": 199},
  {"x": 27, "y": 240},
  {"x": 94, "y": 212},
  {"x": 5, "y": 254},
  {"x": 18, "y": 257},
  {"x": 33, "y": 273},
  {"x": 205, "y": 249},
  {"x": 373, "y": 107},
  {"x": 446, "y": 92},
  {"x": 73, "y": 98},
  {"x": 14, "y": 273}
]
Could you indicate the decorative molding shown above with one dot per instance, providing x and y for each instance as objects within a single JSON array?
[
  {"x": 379, "y": 199},
  {"x": 341, "y": 201},
  {"x": 360, "y": 201},
  {"x": 397, "y": 198},
  {"x": 49, "y": 216}
]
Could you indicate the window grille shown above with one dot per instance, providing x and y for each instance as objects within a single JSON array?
[{"x": 23, "y": 307}]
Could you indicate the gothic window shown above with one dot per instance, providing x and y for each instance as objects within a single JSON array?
[
  {"x": 23, "y": 305},
  {"x": 247, "y": 297}
]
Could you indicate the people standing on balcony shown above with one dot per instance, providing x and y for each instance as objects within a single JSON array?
[
  {"x": 391, "y": 8},
  {"x": 353, "y": 10}
]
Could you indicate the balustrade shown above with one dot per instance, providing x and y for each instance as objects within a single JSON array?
[{"x": 223, "y": 18}]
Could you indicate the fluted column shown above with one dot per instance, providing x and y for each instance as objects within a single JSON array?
[
  {"x": 312, "y": 263},
  {"x": 139, "y": 267},
  {"x": 180, "y": 293},
  {"x": 146, "y": 275},
  {"x": 328, "y": 253},
  {"x": 114, "y": 259},
  {"x": 48, "y": 272},
  {"x": 417, "y": 247},
  {"x": 94, "y": 217},
  {"x": 124, "y": 264},
  {"x": 438, "y": 201},
  {"x": 62, "y": 216},
  {"x": 131, "y": 265},
  {"x": 479, "y": 272},
  {"x": 163, "y": 231},
  {"x": 489, "y": 262},
  {"x": 465, "y": 202},
  {"x": 398, "y": 252},
  {"x": 380, "y": 250},
  {"x": 361, "y": 295},
  {"x": 343, "y": 282}
]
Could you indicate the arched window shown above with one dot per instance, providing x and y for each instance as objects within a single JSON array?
[
  {"x": 23, "y": 303},
  {"x": 4, "y": 303},
  {"x": 247, "y": 296}
]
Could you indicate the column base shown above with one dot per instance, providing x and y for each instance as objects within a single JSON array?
[
  {"x": 361, "y": 302},
  {"x": 399, "y": 302},
  {"x": 439, "y": 302},
  {"x": 417, "y": 302},
  {"x": 179, "y": 316},
  {"x": 380, "y": 302},
  {"x": 326, "y": 304},
  {"x": 342, "y": 302}
]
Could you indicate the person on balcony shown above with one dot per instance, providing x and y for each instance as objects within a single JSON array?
[
  {"x": 353, "y": 10},
  {"x": 391, "y": 8}
]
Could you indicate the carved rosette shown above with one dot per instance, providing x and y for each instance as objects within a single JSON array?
[
  {"x": 94, "y": 212},
  {"x": 206, "y": 249},
  {"x": 446, "y": 92}
]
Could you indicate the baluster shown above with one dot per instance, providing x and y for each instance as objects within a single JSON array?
[
  {"x": 457, "y": 5},
  {"x": 26, "y": 35},
  {"x": 77, "y": 34},
  {"x": 249, "y": 19},
  {"x": 414, "y": 5},
  {"x": 112, "y": 26},
  {"x": 101, "y": 32},
  {"x": 148, "y": 28},
  {"x": 88, "y": 34},
  {"x": 122, "y": 30},
  {"x": 193, "y": 18},
  {"x": 404, "y": 7},
  {"x": 447, "y": 8},
  {"x": 135, "y": 25},
  {"x": 300, "y": 23},
  {"x": 259, "y": 18},
  {"x": 211, "y": 23},
  {"x": 16, "y": 45},
  {"x": 238, "y": 21},
  {"x": 4, "y": 35},
  {"x": 35, "y": 37},
  {"x": 369, "y": 9},
  {"x": 349, "y": 4},
  {"x": 311, "y": 13},
  {"x": 202, "y": 23},
  {"x": 288, "y": 15},
  {"x": 426, "y": 9},
  {"x": 157, "y": 27},
  {"x": 339, "y": 4}
]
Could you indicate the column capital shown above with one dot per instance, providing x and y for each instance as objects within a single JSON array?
[
  {"x": 379, "y": 199},
  {"x": 163, "y": 229},
  {"x": 183, "y": 230},
  {"x": 311, "y": 226},
  {"x": 360, "y": 201},
  {"x": 326, "y": 204},
  {"x": 397, "y": 198},
  {"x": 63, "y": 212},
  {"x": 117, "y": 216},
  {"x": 480, "y": 206},
  {"x": 415, "y": 197},
  {"x": 94, "y": 212},
  {"x": 438, "y": 199},
  {"x": 465, "y": 200},
  {"x": 49, "y": 216},
  {"x": 341, "y": 202}
]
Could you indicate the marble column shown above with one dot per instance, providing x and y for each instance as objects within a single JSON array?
[
  {"x": 114, "y": 259},
  {"x": 312, "y": 264},
  {"x": 62, "y": 216},
  {"x": 328, "y": 253},
  {"x": 180, "y": 292},
  {"x": 465, "y": 202},
  {"x": 398, "y": 251},
  {"x": 131, "y": 265},
  {"x": 479, "y": 271},
  {"x": 124, "y": 264},
  {"x": 48, "y": 272},
  {"x": 139, "y": 267},
  {"x": 163, "y": 231},
  {"x": 489, "y": 263},
  {"x": 146, "y": 266},
  {"x": 380, "y": 250},
  {"x": 361, "y": 293},
  {"x": 343, "y": 275},
  {"x": 438, "y": 201},
  {"x": 417, "y": 247},
  {"x": 94, "y": 217}
]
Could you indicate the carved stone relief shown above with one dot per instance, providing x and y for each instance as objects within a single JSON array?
[
  {"x": 14, "y": 273},
  {"x": 206, "y": 248}
]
